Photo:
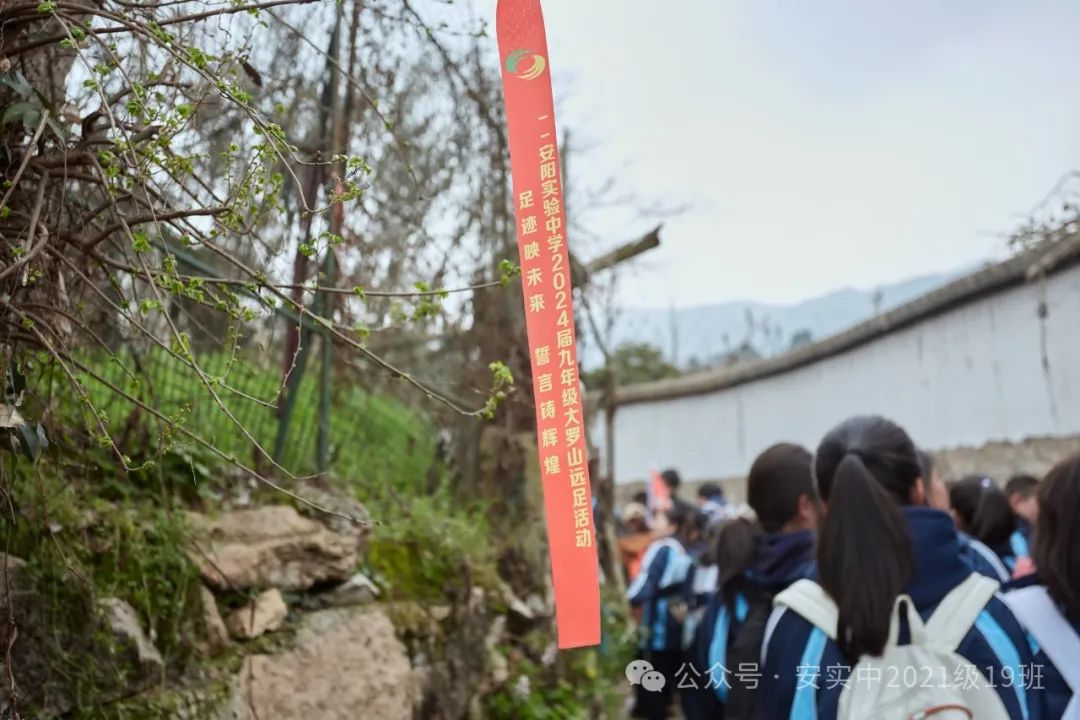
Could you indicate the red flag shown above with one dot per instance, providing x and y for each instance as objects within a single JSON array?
[
  {"x": 659, "y": 495},
  {"x": 545, "y": 280}
]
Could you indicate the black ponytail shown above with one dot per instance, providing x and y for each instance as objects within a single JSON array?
[
  {"x": 994, "y": 521},
  {"x": 964, "y": 500},
  {"x": 982, "y": 510},
  {"x": 865, "y": 470},
  {"x": 735, "y": 549}
]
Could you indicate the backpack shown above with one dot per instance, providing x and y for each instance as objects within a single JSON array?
[
  {"x": 924, "y": 680},
  {"x": 744, "y": 652},
  {"x": 1037, "y": 612}
]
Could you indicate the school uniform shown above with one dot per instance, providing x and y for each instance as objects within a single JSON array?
[
  {"x": 982, "y": 559},
  {"x": 1005, "y": 552},
  {"x": 1045, "y": 675},
  {"x": 700, "y": 590},
  {"x": 1056, "y": 693},
  {"x": 804, "y": 671},
  {"x": 1020, "y": 540},
  {"x": 696, "y": 549},
  {"x": 697, "y": 586},
  {"x": 781, "y": 559},
  {"x": 700, "y": 586},
  {"x": 715, "y": 509},
  {"x": 656, "y": 587}
]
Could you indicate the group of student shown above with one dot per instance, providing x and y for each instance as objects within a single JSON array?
[{"x": 862, "y": 586}]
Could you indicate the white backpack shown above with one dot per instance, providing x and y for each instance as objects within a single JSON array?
[
  {"x": 1037, "y": 612},
  {"x": 924, "y": 680}
]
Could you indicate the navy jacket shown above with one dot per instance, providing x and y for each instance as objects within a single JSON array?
[
  {"x": 781, "y": 560},
  {"x": 658, "y": 583},
  {"x": 1004, "y": 551},
  {"x": 982, "y": 559},
  {"x": 1055, "y": 691},
  {"x": 994, "y": 642}
]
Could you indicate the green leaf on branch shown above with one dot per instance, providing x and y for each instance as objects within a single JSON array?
[
  {"x": 26, "y": 111},
  {"x": 501, "y": 380},
  {"x": 146, "y": 306},
  {"x": 501, "y": 377},
  {"x": 509, "y": 271},
  {"x": 140, "y": 241},
  {"x": 32, "y": 441}
]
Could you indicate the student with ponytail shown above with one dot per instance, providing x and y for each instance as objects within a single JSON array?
[
  {"x": 889, "y": 576},
  {"x": 982, "y": 511},
  {"x": 755, "y": 559},
  {"x": 653, "y": 591},
  {"x": 980, "y": 558},
  {"x": 732, "y": 552}
]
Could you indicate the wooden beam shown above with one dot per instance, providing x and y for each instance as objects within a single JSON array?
[{"x": 621, "y": 254}]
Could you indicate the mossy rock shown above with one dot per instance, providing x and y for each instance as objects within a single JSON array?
[
  {"x": 74, "y": 654},
  {"x": 216, "y": 699}
]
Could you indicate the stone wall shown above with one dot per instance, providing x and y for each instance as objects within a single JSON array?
[
  {"x": 284, "y": 627},
  {"x": 1000, "y": 460},
  {"x": 987, "y": 371}
]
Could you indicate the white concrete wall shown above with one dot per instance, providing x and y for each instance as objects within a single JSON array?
[{"x": 966, "y": 377}]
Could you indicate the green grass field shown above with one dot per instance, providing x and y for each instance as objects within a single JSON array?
[{"x": 373, "y": 439}]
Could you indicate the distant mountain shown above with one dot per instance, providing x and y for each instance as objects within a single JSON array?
[{"x": 698, "y": 337}]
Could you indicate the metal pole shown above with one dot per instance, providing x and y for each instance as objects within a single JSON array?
[
  {"x": 292, "y": 391},
  {"x": 327, "y": 355}
]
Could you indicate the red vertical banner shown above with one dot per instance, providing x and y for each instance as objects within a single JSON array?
[
  {"x": 549, "y": 312},
  {"x": 659, "y": 495}
]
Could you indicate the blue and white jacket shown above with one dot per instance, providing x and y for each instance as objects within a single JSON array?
[
  {"x": 1020, "y": 540},
  {"x": 781, "y": 559},
  {"x": 994, "y": 643},
  {"x": 982, "y": 559},
  {"x": 663, "y": 570},
  {"x": 1056, "y": 692}
]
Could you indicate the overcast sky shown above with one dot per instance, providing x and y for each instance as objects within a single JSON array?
[{"x": 818, "y": 144}]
